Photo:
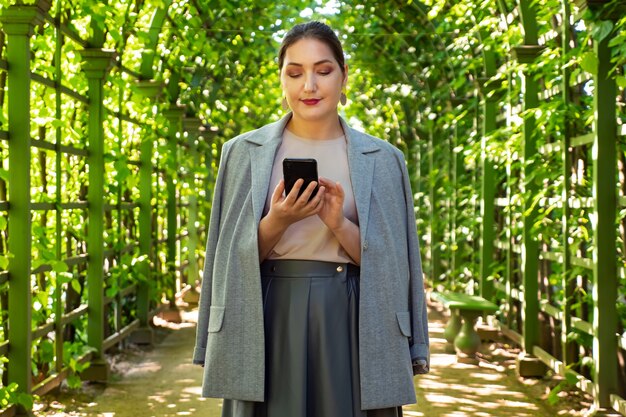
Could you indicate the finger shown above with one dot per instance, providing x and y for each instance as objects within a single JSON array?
[
  {"x": 340, "y": 189},
  {"x": 318, "y": 201},
  {"x": 278, "y": 191},
  {"x": 326, "y": 182},
  {"x": 293, "y": 194},
  {"x": 331, "y": 188},
  {"x": 307, "y": 192},
  {"x": 314, "y": 202}
]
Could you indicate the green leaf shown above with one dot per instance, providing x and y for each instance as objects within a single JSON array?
[
  {"x": 589, "y": 62},
  {"x": 42, "y": 297},
  {"x": 59, "y": 266},
  {"x": 571, "y": 378},
  {"x": 64, "y": 277},
  {"x": 74, "y": 381},
  {"x": 3, "y": 223},
  {"x": 621, "y": 81},
  {"x": 75, "y": 285},
  {"x": 111, "y": 291},
  {"x": 25, "y": 400},
  {"x": 4, "y": 262},
  {"x": 601, "y": 30},
  {"x": 553, "y": 396},
  {"x": 46, "y": 351}
]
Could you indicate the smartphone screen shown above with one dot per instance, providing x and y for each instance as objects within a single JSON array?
[{"x": 295, "y": 168}]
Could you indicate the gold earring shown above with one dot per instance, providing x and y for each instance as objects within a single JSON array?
[
  {"x": 284, "y": 104},
  {"x": 343, "y": 99}
]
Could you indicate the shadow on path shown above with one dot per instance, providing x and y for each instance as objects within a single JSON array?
[{"x": 163, "y": 382}]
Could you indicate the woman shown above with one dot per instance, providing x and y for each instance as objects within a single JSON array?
[{"x": 312, "y": 307}]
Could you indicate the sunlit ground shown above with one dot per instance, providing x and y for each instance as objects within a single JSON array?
[
  {"x": 458, "y": 390},
  {"x": 163, "y": 382}
]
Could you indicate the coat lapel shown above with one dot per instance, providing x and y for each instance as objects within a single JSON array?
[
  {"x": 361, "y": 162},
  {"x": 268, "y": 138}
]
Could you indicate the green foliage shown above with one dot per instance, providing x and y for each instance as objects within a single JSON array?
[
  {"x": 422, "y": 75},
  {"x": 569, "y": 381},
  {"x": 10, "y": 395},
  {"x": 72, "y": 354}
]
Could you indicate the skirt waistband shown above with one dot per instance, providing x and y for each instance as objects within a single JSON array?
[{"x": 306, "y": 268}]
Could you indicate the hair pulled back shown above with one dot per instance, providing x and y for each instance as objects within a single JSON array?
[{"x": 312, "y": 30}]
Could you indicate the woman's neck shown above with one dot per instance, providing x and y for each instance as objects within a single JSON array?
[{"x": 315, "y": 129}]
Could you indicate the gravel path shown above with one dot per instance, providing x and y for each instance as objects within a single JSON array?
[{"x": 162, "y": 382}]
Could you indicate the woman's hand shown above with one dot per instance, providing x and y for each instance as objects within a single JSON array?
[
  {"x": 289, "y": 209},
  {"x": 285, "y": 211},
  {"x": 331, "y": 211}
]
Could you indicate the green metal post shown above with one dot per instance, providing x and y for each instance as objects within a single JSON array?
[
  {"x": 530, "y": 248},
  {"x": 18, "y": 23},
  {"x": 174, "y": 116},
  {"x": 604, "y": 232},
  {"x": 192, "y": 126},
  {"x": 435, "y": 235},
  {"x": 96, "y": 63},
  {"x": 457, "y": 172},
  {"x": 209, "y": 179},
  {"x": 528, "y": 365},
  {"x": 508, "y": 303},
  {"x": 487, "y": 207},
  {"x": 144, "y": 334},
  {"x": 58, "y": 290},
  {"x": 510, "y": 317},
  {"x": 567, "y": 347},
  {"x": 145, "y": 231}
]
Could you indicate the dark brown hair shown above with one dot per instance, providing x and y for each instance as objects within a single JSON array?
[{"x": 312, "y": 30}]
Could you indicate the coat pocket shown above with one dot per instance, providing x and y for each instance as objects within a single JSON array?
[
  {"x": 404, "y": 322},
  {"x": 216, "y": 318}
]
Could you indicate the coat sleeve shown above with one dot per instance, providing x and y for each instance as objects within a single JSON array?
[
  {"x": 418, "y": 343},
  {"x": 207, "y": 274}
]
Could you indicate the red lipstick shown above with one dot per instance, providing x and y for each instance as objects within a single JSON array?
[{"x": 311, "y": 101}]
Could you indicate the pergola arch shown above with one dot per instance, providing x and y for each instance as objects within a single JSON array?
[{"x": 510, "y": 206}]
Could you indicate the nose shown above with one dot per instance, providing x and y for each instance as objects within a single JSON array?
[{"x": 310, "y": 84}]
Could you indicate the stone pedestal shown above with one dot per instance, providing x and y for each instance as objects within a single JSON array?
[
  {"x": 529, "y": 366},
  {"x": 467, "y": 341},
  {"x": 98, "y": 371},
  {"x": 142, "y": 336}
]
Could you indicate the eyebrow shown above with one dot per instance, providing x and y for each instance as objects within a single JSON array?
[{"x": 323, "y": 61}]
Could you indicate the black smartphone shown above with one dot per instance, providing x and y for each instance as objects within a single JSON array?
[{"x": 295, "y": 168}]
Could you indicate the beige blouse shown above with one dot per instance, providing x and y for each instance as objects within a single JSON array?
[{"x": 309, "y": 238}]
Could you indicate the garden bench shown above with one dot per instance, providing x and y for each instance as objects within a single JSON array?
[{"x": 460, "y": 331}]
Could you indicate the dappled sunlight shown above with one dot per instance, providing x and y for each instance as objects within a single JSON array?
[
  {"x": 197, "y": 390},
  {"x": 487, "y": 377},
  {"x": 143, "y": 369},
  {"x": 163, "y": 382},
  {"x": 409, "y": 413},
  {"x": 454, "y": 389}
]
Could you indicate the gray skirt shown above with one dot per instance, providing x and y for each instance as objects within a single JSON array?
[{"x": 311, "y": 334}]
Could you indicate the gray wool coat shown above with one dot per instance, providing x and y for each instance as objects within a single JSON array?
[{"x": 393, "y": 326}]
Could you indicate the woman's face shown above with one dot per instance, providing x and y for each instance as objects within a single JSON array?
[{"x": 312, "y": 80}]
